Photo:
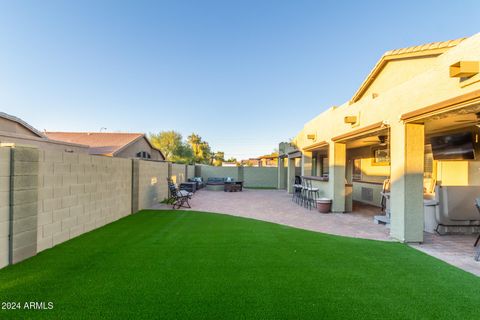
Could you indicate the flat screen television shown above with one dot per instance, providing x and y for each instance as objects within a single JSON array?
[{"x": 457, "y": 146}]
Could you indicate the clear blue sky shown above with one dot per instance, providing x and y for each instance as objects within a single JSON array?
[{"x": 244, "y": 75}]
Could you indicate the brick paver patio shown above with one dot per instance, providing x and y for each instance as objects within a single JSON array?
[{"x": 276, "y": 206}]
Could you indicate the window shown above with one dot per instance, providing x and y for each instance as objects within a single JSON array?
[
  {"x": 144, "y": 155},
  {"x": 325, "y": 167},
  {"x": 357, "y": 169}
]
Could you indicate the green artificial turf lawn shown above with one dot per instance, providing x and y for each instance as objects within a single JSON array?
[{"x": 190, "y": 265}]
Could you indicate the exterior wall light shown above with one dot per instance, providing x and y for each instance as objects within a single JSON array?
[
  {"x": 464, "y": 69},
  {"x": 350, "y": 120}
]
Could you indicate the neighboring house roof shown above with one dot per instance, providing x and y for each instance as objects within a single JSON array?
[
  {"x": 429, "y": 49},
  {"x": 22, "y": 123},
  {"x": 269, "y": 156},
  {"x": 101, "y": 143}
]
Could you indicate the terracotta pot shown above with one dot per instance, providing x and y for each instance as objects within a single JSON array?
[{"x": 324, "y": 205}]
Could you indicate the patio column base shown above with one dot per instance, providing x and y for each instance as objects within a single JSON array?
[{"x": 337, "y": 159}]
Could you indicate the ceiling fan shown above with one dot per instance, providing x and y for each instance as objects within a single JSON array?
[{"x": 382, "y": 140}]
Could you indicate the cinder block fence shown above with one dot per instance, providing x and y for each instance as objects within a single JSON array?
[{"x": 49, "y": 196}]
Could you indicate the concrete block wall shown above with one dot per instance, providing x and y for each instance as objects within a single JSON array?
[
  {"x": 261, "y": 177},
  {"x": 78, "y": 193},
  {"x": 150, "y": 183},
  {"x": 190, "y": 171},
  {"x": 218, "y": 172},
  {"x": 266, "y": 177},
  {"x": 4, "y": 205},
  {"x": 23, "y": 202},
  {"x": 178, "y": 173},
  {"x": 48, "y": 196}
]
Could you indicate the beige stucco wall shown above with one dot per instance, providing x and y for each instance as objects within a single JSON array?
[
  {"x": 4, "y": 204},
  {"x": 429, "y": 87},
  {"x": 79, "y": 193},
  {"x": 178, "y": 173},
  {"x": 397, "y": 72},
  {"x": 376, "y": 192},
  {"x": 458, "y": 173},
  {"x": 152, "y": 183},
  {"x": 371, "y": 173},
  {"x": 138, "y": 146},
  {"x": 432, "y": 86}
]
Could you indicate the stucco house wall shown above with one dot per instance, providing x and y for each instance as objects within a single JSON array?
[{"x": 427, "y": 88}]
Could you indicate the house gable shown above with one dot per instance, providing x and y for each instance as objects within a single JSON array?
[
  {"x": 13, "y": 125},
  {"x": 400, "y": 65}
]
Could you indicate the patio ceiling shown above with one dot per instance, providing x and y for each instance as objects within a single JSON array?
[{"x": 465, "y": 117}]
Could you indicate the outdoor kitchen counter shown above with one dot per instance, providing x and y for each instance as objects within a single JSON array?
[
  {"x": 323, "y": 179},
  {"x": 315, "y": 178}
]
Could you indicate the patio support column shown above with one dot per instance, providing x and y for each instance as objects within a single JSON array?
[
  {"x": 281, "y": 174},
  {"x": 290, "y": 174},
  {"x": 337, "y": 157},
  {"x": 306, "y": 163},
  {"x": 406, "y": 201}
]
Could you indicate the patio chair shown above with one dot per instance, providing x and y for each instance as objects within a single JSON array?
[{"x": 178, "y": 197}]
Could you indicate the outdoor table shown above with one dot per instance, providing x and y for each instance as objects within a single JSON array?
[{"x": 188, "y": 186}]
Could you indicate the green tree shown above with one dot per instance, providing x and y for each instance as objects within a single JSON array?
[
  {"x": 194, "y": 150},
  {"x": 172, "y": 146},
  {"x": 200, "y": 149},
  {"x": 218, "y": 158},
  {"x": 184, "y": 154},
  {"x": 169, "y": 142},
  {"x": 195, "y": 141}
]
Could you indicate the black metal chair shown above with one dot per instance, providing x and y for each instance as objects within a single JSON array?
[
  {"x": 179, "y": 198},
  {"x": 297, "y": 189}
]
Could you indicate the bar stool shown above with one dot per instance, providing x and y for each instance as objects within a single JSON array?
[
  {"x": 297, "y": 189},
  {"x": 312, "y": 194}
]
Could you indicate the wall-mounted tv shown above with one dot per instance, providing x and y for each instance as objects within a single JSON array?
[{"x": 456, "y": 146}]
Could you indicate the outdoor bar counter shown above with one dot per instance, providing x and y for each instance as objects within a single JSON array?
[{"x": 322, "y": 184}]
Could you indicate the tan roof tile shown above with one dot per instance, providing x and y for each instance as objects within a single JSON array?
[{"x": 100, "y": 143}]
